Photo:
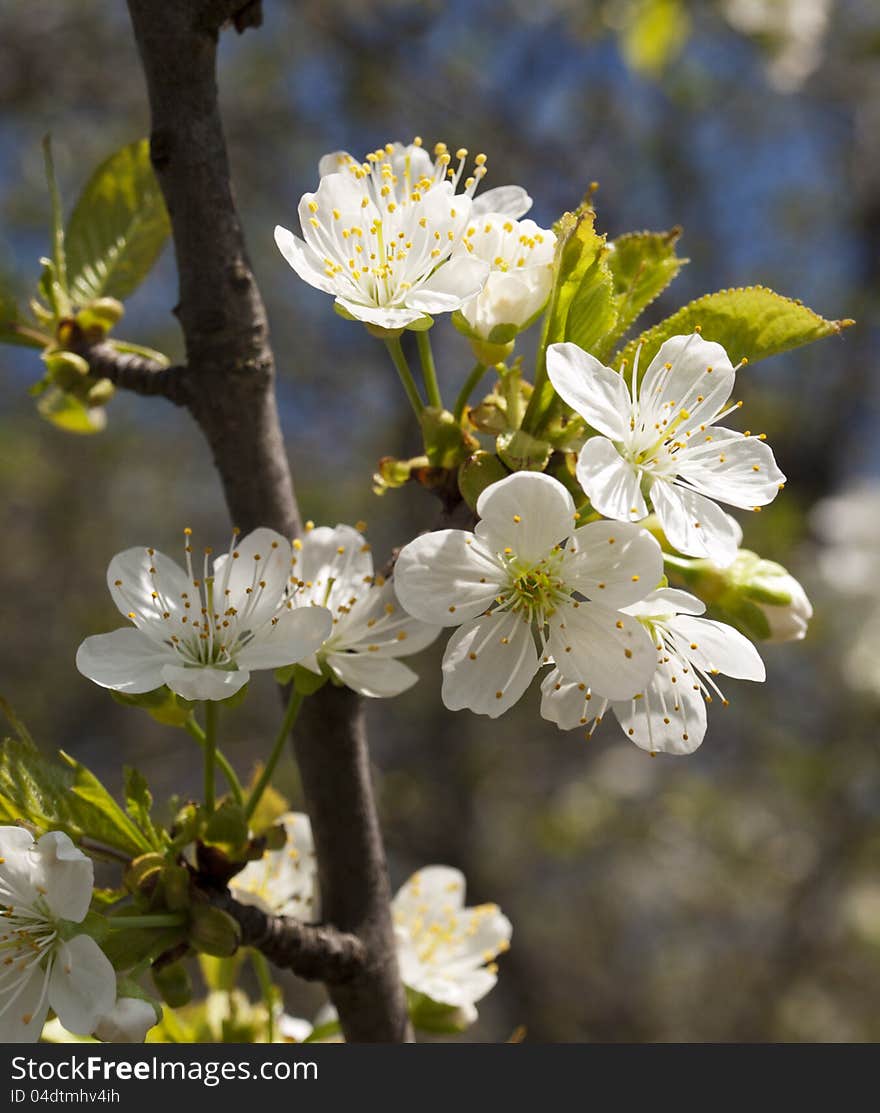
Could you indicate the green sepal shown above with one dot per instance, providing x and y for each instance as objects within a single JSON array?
[
  {"x": 520, "y": 451},
  {"x": 69, "y": 413},
  {"x": 173, "y": 983},
  {"x": 212, "y": 932},
  {"x": 162, "y": 704},
  {"x": 421, "y": 324},
  {"x": 306, "y": 681},
  {"x": 433, "y": 1016},
  {"x": 446, "y": 443},
  {"x": 477, "y": 473}
]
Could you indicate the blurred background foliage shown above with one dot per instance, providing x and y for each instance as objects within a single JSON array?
[{"x": 732, "y": 895}]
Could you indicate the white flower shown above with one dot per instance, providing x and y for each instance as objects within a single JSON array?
[
  {"x": 202, "y": 636},
  {"x": 659, "y": 443},
  {"x": 442, "y": 947},
  {"x": 371, "y": 630},
  {"x": 379, "y": 235},
  {"x": 669, "y": 715},
  {"x": 445, "y": 950},
  {"x": 128, "y": 1021},
  {"x": 793, "y": 30},
  {"x": 284, "y": 882},
  {"x": 293, "y": 1029},
  {"x": 46, "y": 889},
  {"x": 520, "y": 257},
  {"x": 527, "y": 571}
]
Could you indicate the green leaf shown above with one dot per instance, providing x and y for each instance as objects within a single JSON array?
[
  {"x": 139, "y": 804},
  {"x": 117, "y": 228},
  {"x": 53, "y": 797},
  {"x": 750, "y": 322},
  {"x": 642, "y": 265},
  {"x": 70, "y": 413},
  {"x": 582, "y": 305}
]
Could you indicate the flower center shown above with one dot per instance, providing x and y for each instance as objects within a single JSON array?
[{"x": 535, "y": 590}]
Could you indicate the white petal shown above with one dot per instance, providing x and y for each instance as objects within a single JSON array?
[
  {"x": 65, "y": 873},
  {"x": 372, "y": 675},
  {"x": 82, "y": 985},
  {"x": 125, "y": 660},
  {"x": 296, "y": 634},
  {"x": 593, "y": 390},
  {"x": 488, "y": 664},
  {"x": 612, "y": 484},
  {"x": 509, "y": 200},
  {"x": 666, "y": 602},
  {"x": 528, "y": 512},
  {"x": 694, "y": 524},
  {"x": 446, "y": 577},
  {"x": 451, "y": 284},
  {"x": 378, "y": 619},
  {"x": 132, "y": 585},
  {"x": 569, "y": 703},
  {"x": 334, "y": 162},
  {"x": 429, "y": 893},
  {"x": 256, "y": 578},
  {"x": 609, "y": 651},
  {"x": 127, "y": 1022},
  {"x": 717, "y": 647},
  {"x": 305, "y": 260},
  {"x": 22, "y": 1018},
  {"x": 699, "y": 383},
  {"x": 732, "y": 468},
  {"x": 384, "y": 317},
  {"x": 341, "y": 555},
  {"x": 616, "y": 563},
  {"x": 204, "y": 683},
  {"x": 670, "y": 717}
]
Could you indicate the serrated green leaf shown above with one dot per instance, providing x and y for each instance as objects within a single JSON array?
[
  {"x": 642, "y": 265},
  {"x": 54, "y": 797},
  {"x": 117, "y": 228},
  {"x": 70, "y": 413},
  {"x": 751, "y": 323}
]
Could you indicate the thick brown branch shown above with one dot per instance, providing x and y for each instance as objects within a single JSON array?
[
  {"x": 137, "y": 373},
  {"x": 230, "y": 373},
  {"x": 317, "y": 952}
]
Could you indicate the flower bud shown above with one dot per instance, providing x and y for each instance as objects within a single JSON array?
[
  {"x": 101, "y": 393},
  {"x": 213, "y": 932},
  {"x": 128, "y": 1021},
  {"x": 66, "y": 369},
  {"x": 98, "y": 317},
  {"x": 757, "y": 596}
]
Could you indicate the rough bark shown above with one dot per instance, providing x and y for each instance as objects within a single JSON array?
[
  {"x": 230, "y": 374},
  {"x": 316, "y": 952}
]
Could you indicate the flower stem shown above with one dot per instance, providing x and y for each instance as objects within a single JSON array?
[
  {"x": 160, "y": 920},
  {"x": 395, "y": 350},
  {"x": 429, "y": 370},
  {"x": 467, "y": 390},
  {"x": 293, "y": 706},
  {"x": 264, "y": 977},
  {"x": 210, "y": 753},
  {"x": 223, "y": 763}
]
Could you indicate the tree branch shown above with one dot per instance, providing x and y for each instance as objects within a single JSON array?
[
  {"x": 136, "y": 373},
  {"x": 316, "y": 952},
  {"x": 230, "y": 374}
]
